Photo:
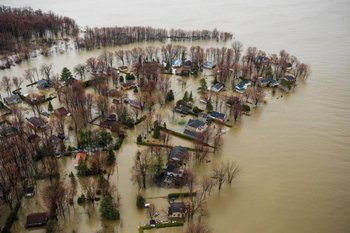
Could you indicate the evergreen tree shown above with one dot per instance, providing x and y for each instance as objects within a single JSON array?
[
  {"x": 191, "y": 97},
  {"x": 185, "y": 98},
  {"x": 66, "y": 74},
  {"x": 104, "y": 139},
  {"x": 156, "y": 130},
  {"x": 203, "y": 85},
  {"x": 110, "y": 156},
  {"x": 209, "y": 106},
  {"x": 170, "y": 96},
  {"x": 108, "y": 210},
  {"x": 82, "y": 168},
  {"x": 49, "y": 107}
]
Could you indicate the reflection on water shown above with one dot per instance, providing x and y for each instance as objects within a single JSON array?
[{"x": 293, "y": 151}]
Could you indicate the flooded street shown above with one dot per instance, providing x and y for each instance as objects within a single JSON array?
[{"x": 294, "y": 151}]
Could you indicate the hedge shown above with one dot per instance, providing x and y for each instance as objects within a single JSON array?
[
  {"x": 11, "y": 219},
  {"x": 161, "y": 225},
  {"x": 183, "y": 194}
]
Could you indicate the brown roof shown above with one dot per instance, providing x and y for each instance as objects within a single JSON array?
[
  {"x": 36, "y": 219},
  {"x": 61, "y": 111},
  {"x": 128, "y": 85},
  {"x": 37, "y": 122}
]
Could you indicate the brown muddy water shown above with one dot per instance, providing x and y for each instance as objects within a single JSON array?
[{"x": 294, "y": 151}]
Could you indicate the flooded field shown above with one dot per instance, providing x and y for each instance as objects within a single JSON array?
[{"x": 294, "y": 151}]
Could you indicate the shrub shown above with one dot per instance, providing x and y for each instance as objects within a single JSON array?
[
  {"x": 170, "y": 96},
  {"x": 184, "y": 194},
  {"x": 246, "y": 107},
  {"x": 81, "y": 199},
  {"x": 140, "y": 201},
  {"x": 139, "y": 139},
  {"x": 108, "y": 210},
  {"x": 110, "y": 156},
  {"x": 197, "y": 110}
]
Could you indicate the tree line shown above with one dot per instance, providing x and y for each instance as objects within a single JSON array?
[
  {"x": 19, "y": 26},
  {"x": 112, "y": 36}
]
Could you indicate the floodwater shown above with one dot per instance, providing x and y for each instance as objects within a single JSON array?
[{"x": 294, "y": 151}]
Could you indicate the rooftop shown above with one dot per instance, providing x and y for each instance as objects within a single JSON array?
[
  {"x": 12, "y": 99},
  {"x": 80, "y": 156},
  {"x": 177, "y": 153},
  {"x": 195, "y": 123},
  {"x": 176, "y": 207},
  {"x": 37, "y": 122},
  {"x": 36, "y": 219},
  {"x": 217, "y": 87},
  {"x": 217, "y": 115}
]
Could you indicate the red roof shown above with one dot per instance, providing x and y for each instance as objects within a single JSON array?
[{"x": 80, "y": 155}]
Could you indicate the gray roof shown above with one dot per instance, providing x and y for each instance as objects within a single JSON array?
[
  {"x": 177, "y": 153},
  {"x": 37, "y": 122},
  {"x": 177, "y": 207},
  {"x": 12, "y": 99},
  {"x": 190, "y": 133},
  {"x": 195, "y": 123},
  {"x": 217, "y": 115},
  {"x": 8, "y": 131},
  {"x": 217, "y": 87}
]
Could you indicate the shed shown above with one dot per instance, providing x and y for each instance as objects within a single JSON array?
[
  {"x": 12, "y": 99},
  {"x": 37, "y": 219}
]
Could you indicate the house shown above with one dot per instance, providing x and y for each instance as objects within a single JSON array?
[
  {"x": 242, "y": 86},
  {"x": 113, "y": 93},
  {"x": 34, "y": 138},
  {"x": 209, "y": 65},
  {"x": 177, "y": 210},
  {"x": 79, "y": 156},
  {"x": 290, "y": 78},
  {"x": 37, "y": 122},
  {"x": 135, "y": 104},
  {"x": 12, "y": 99},
  {"x": 123, "y": 69},
  {"x": 194, "y": 126},
  {"x": 183, "y": 109},
  {"x": 42, "y": 84},
  {"x": 8, "y": 131},
  {"x": 61, "y": 112},
  {"x": 110, "y": 120},
  {"x": 176, "y": 63},
  {"x": 174, "y": 170},
  {"x": 37, "y": 219},
  {"x": 71, "y": 80},
  {"x": 178, "y": 155},
  {"x": 29, "y": 191},
  {"x": 217, "y": 116},
  {"x": 217, "y": 87},
  {"x": 128, "y": 85},
  {"x": 185, "y": 70},
  {"x": 202, "y": 116},
  {"x": 203, "y": 100},
  {"x": 267, "y": 81}
]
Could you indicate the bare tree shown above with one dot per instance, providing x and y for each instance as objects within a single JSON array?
[
  {"x": 142, "y": 169},
  {"x": 198, "y": 227},
  {"x": 232, "y": 169},
  {"x": 219, "y": 174},
  {"x": 17, "y": 82},
  {"x": 80, "y": 70},
  {"x": 6, "y": 84},
  {"x": 46, "y": 70}
]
